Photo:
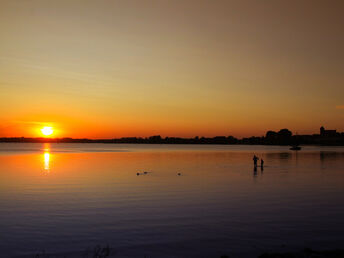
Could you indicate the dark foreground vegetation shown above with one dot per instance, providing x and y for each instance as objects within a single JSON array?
[
  {"x": 282, "y": 137},
  {"x": 306, "y": 253},
  {"x": 107, "y": 252}
]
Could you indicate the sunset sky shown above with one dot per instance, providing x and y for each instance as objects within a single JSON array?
[{"x": 104, "y": 69}]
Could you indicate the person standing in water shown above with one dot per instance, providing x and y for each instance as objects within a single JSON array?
[
  {"x": 261, "y": 163},
  {"x": 255, "y": 159}
]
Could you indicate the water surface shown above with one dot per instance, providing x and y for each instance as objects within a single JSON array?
[{"x": 70, "y": 197}]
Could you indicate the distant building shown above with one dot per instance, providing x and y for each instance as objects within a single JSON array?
[{"x": 327, "y": 133}]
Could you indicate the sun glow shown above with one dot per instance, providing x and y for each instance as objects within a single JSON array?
[{"x": 47, "y": 130}]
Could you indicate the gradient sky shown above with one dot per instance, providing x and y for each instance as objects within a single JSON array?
[{"x": 103, "y": 69}]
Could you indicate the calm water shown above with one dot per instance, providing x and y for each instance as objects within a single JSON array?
[{"x": 70, "y": 197}]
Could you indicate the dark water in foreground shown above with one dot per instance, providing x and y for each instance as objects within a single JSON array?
[{"x": 70, "y": 197}]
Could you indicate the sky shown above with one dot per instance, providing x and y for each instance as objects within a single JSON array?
[{"x": 108, "y": 69}]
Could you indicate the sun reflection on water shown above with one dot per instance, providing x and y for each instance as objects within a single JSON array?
[
  {"x": 47, "y": 161},
  {"x": 46, "y": 157}
]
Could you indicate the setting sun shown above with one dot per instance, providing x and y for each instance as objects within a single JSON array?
[{"x": 47, "y": 130}]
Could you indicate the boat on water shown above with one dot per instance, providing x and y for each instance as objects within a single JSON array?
[{"x": 295, "y": 147}]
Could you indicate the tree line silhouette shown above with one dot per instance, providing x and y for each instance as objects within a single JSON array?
[{"x": 282, "y": 137}]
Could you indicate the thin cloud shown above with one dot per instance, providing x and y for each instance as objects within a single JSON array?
[
  {"x": 28, "y": 122},
  {"x": 340, "y": 107}
]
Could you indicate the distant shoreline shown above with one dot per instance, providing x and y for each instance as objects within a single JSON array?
[
  {"x": 283, "y": 137},
  {"x": 180, "y": 141}
]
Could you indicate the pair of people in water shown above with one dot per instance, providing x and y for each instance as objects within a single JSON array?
[{"x": 255, "y": 161}]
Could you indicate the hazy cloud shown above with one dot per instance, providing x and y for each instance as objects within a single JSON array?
[
  {"x": 28, "y": 122},
  {"x": 340, "y": 107}
]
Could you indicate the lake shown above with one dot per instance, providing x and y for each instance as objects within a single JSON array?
[{"x": 61, "y": 198}]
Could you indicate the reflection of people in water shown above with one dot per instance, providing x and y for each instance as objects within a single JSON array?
[
  {"x": 261, "y": 163},
  {"x": 255, "y": 159}
]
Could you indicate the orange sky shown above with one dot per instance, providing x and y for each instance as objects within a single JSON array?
[{"x": 104, "y": 69}]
